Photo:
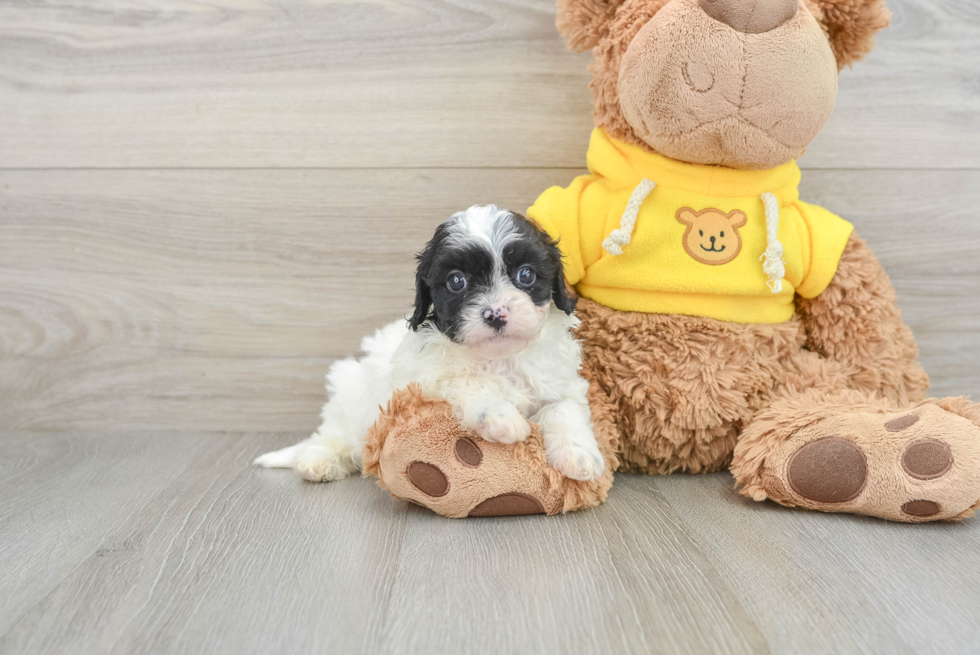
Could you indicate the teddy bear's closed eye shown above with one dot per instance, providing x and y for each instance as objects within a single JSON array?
[{"x": 697, "y": 76}]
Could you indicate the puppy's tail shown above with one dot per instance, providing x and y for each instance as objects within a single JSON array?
[{"x": 281, "y": 459}]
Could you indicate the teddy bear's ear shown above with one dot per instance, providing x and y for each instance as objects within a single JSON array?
[
  {"x": 686, "y": 216},
  {"x": 584, "y": 23},
  {"x": 850, "y": 25},
  {"x": 737, "y": 219}
]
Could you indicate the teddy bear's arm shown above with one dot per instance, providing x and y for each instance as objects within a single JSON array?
[{"x": 856, "y": 321}]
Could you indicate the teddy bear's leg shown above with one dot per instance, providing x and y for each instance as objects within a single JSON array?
[
  {"x": 847, "y": 428},
  {"x": 849, "y": 451},
  {"x": 680, "y": 388},
  {"x": 420, "y": 453},
  {"x": 856, "y": 322}
]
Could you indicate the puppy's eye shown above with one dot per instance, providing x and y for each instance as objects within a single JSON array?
[
  {"x": 526, "y": 276},
  {"x": 722, "y": 235},
  {"x": 701, "y": 232},
  {"x": 456, "y": 282}
]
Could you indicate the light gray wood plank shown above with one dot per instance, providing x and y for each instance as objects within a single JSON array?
[
  {"x": 218, "y": 557},
  {"x": 402, "y": 83},
  {"x": 832, "y": 583},
  {"x": 217, "y": 299},
  {"x": 623, "y": 578},
  {"x": 210, "y": 291},
  {"x": 226, "y": 559},
  {"x": 229, "y": 558},
  {"x": 61, "y": 496}
]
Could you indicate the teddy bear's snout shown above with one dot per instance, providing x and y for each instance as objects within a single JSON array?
[
  {"x": 718, "y": 81},
  {"x": 750, "y": 16}
]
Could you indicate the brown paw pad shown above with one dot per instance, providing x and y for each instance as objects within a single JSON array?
[
  {"x": 428, "y": 479},
  {"x": 829, "y": 470},
  {"x": 902, "y": 423},
  {"x": 512, "y": 504},
  {"x": 468, "y": 453},
  {"x": 921, "y": 508},
  {"x": 927, "y": 459}
]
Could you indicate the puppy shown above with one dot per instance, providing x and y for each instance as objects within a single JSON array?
[{"x": 490, "y": 334}]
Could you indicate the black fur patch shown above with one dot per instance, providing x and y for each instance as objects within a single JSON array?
[
  {"x": 446, "y": 255},
  {"x": 537, "y": 250}
]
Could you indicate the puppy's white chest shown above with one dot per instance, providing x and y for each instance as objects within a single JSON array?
[{"x": 514, "y": 382}]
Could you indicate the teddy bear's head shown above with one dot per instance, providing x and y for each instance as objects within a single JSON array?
[{"x": 740, "y": 83}]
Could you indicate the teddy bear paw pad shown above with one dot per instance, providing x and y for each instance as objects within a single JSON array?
[
  {"x": 828, "y": 470},
  {"x": 428, "y": 479},
  {"x": 927, "y": 459},
  {"x": 510, "y": 504},
  {"x": 921, "y": 508},
  {"x": 468, "y": 453}
]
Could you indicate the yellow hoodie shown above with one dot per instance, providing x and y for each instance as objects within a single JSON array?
[{"x": 646, "y": 233}]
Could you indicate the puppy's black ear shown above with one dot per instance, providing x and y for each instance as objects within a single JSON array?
[
  {"x": 563, "y": 297},
  {"x": 561, "y": 294},
  {"x": 423, "y": 301},
  {"x": 423, "y": 293}
]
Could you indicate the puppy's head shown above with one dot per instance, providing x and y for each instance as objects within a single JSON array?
[{"x": 487, "y": 281}]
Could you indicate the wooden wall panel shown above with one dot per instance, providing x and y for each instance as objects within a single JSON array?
[
  {"x": 403, "y": 83},
  {"x": 216, "y": 300}
]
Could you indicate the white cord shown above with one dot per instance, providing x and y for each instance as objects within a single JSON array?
[
  {"x": 772, "y": 259},
  {"x": 621, "y": 237}
]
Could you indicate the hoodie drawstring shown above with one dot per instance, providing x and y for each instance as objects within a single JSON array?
[
  {"x": 772, "y": 259},
  {"x": 621, "y": 237}
]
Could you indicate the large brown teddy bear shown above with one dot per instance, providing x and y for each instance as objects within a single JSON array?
[{"x": 725, "y": 323}]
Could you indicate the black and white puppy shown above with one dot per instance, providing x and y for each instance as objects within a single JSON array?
[{"x": 490, "y": 334}]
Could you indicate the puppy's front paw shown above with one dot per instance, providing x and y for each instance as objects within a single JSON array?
[
  {"x": 576, "y": 461},
  {"x": 501, "y": 423}
]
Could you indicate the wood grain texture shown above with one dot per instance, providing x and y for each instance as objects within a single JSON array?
[
  {"x": 229, "y": 558},
  {"x": 210, "y": 555},
  {"x": 404, "y": 83},
  {"x": 217, "y": 299},
  {"x": 818, "y": 582},
  {"x": 60, "y": 497}
]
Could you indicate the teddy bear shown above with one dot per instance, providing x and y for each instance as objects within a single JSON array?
[{"x": 725, "y": 322}]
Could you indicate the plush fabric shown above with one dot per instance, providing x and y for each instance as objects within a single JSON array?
[
  {"x": 824, "y": 406},
  {"x": 585, "y": 22},
  {"x": 664, "y": 268},
  {"x": 466, "y": 476},
  {"x": 751, "y": 16},
  {"x": 678, "y": 393},
  {"x": 696, "y": 90},
  {"x": 888, "y": 483},
  {"x": 849, "y": 26}
]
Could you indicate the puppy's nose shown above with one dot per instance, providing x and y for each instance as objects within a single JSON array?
[
  {"x": 751, "y": 16},
  {"x": 712, "y": 239},
  {"x": 495, "y": 316}
]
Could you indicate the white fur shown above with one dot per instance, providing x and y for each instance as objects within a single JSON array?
[
  {"x": 493, "y": 397},
  {"x": 495, "y": 380}
]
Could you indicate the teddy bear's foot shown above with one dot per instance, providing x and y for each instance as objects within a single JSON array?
[
  {"x": 420, "y": 453},
  {"x": 913, "y": 465}
]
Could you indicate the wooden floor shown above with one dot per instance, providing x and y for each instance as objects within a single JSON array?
[
  {"x": 203, "y": 203},
  {"x": 171, "y": 543}
]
